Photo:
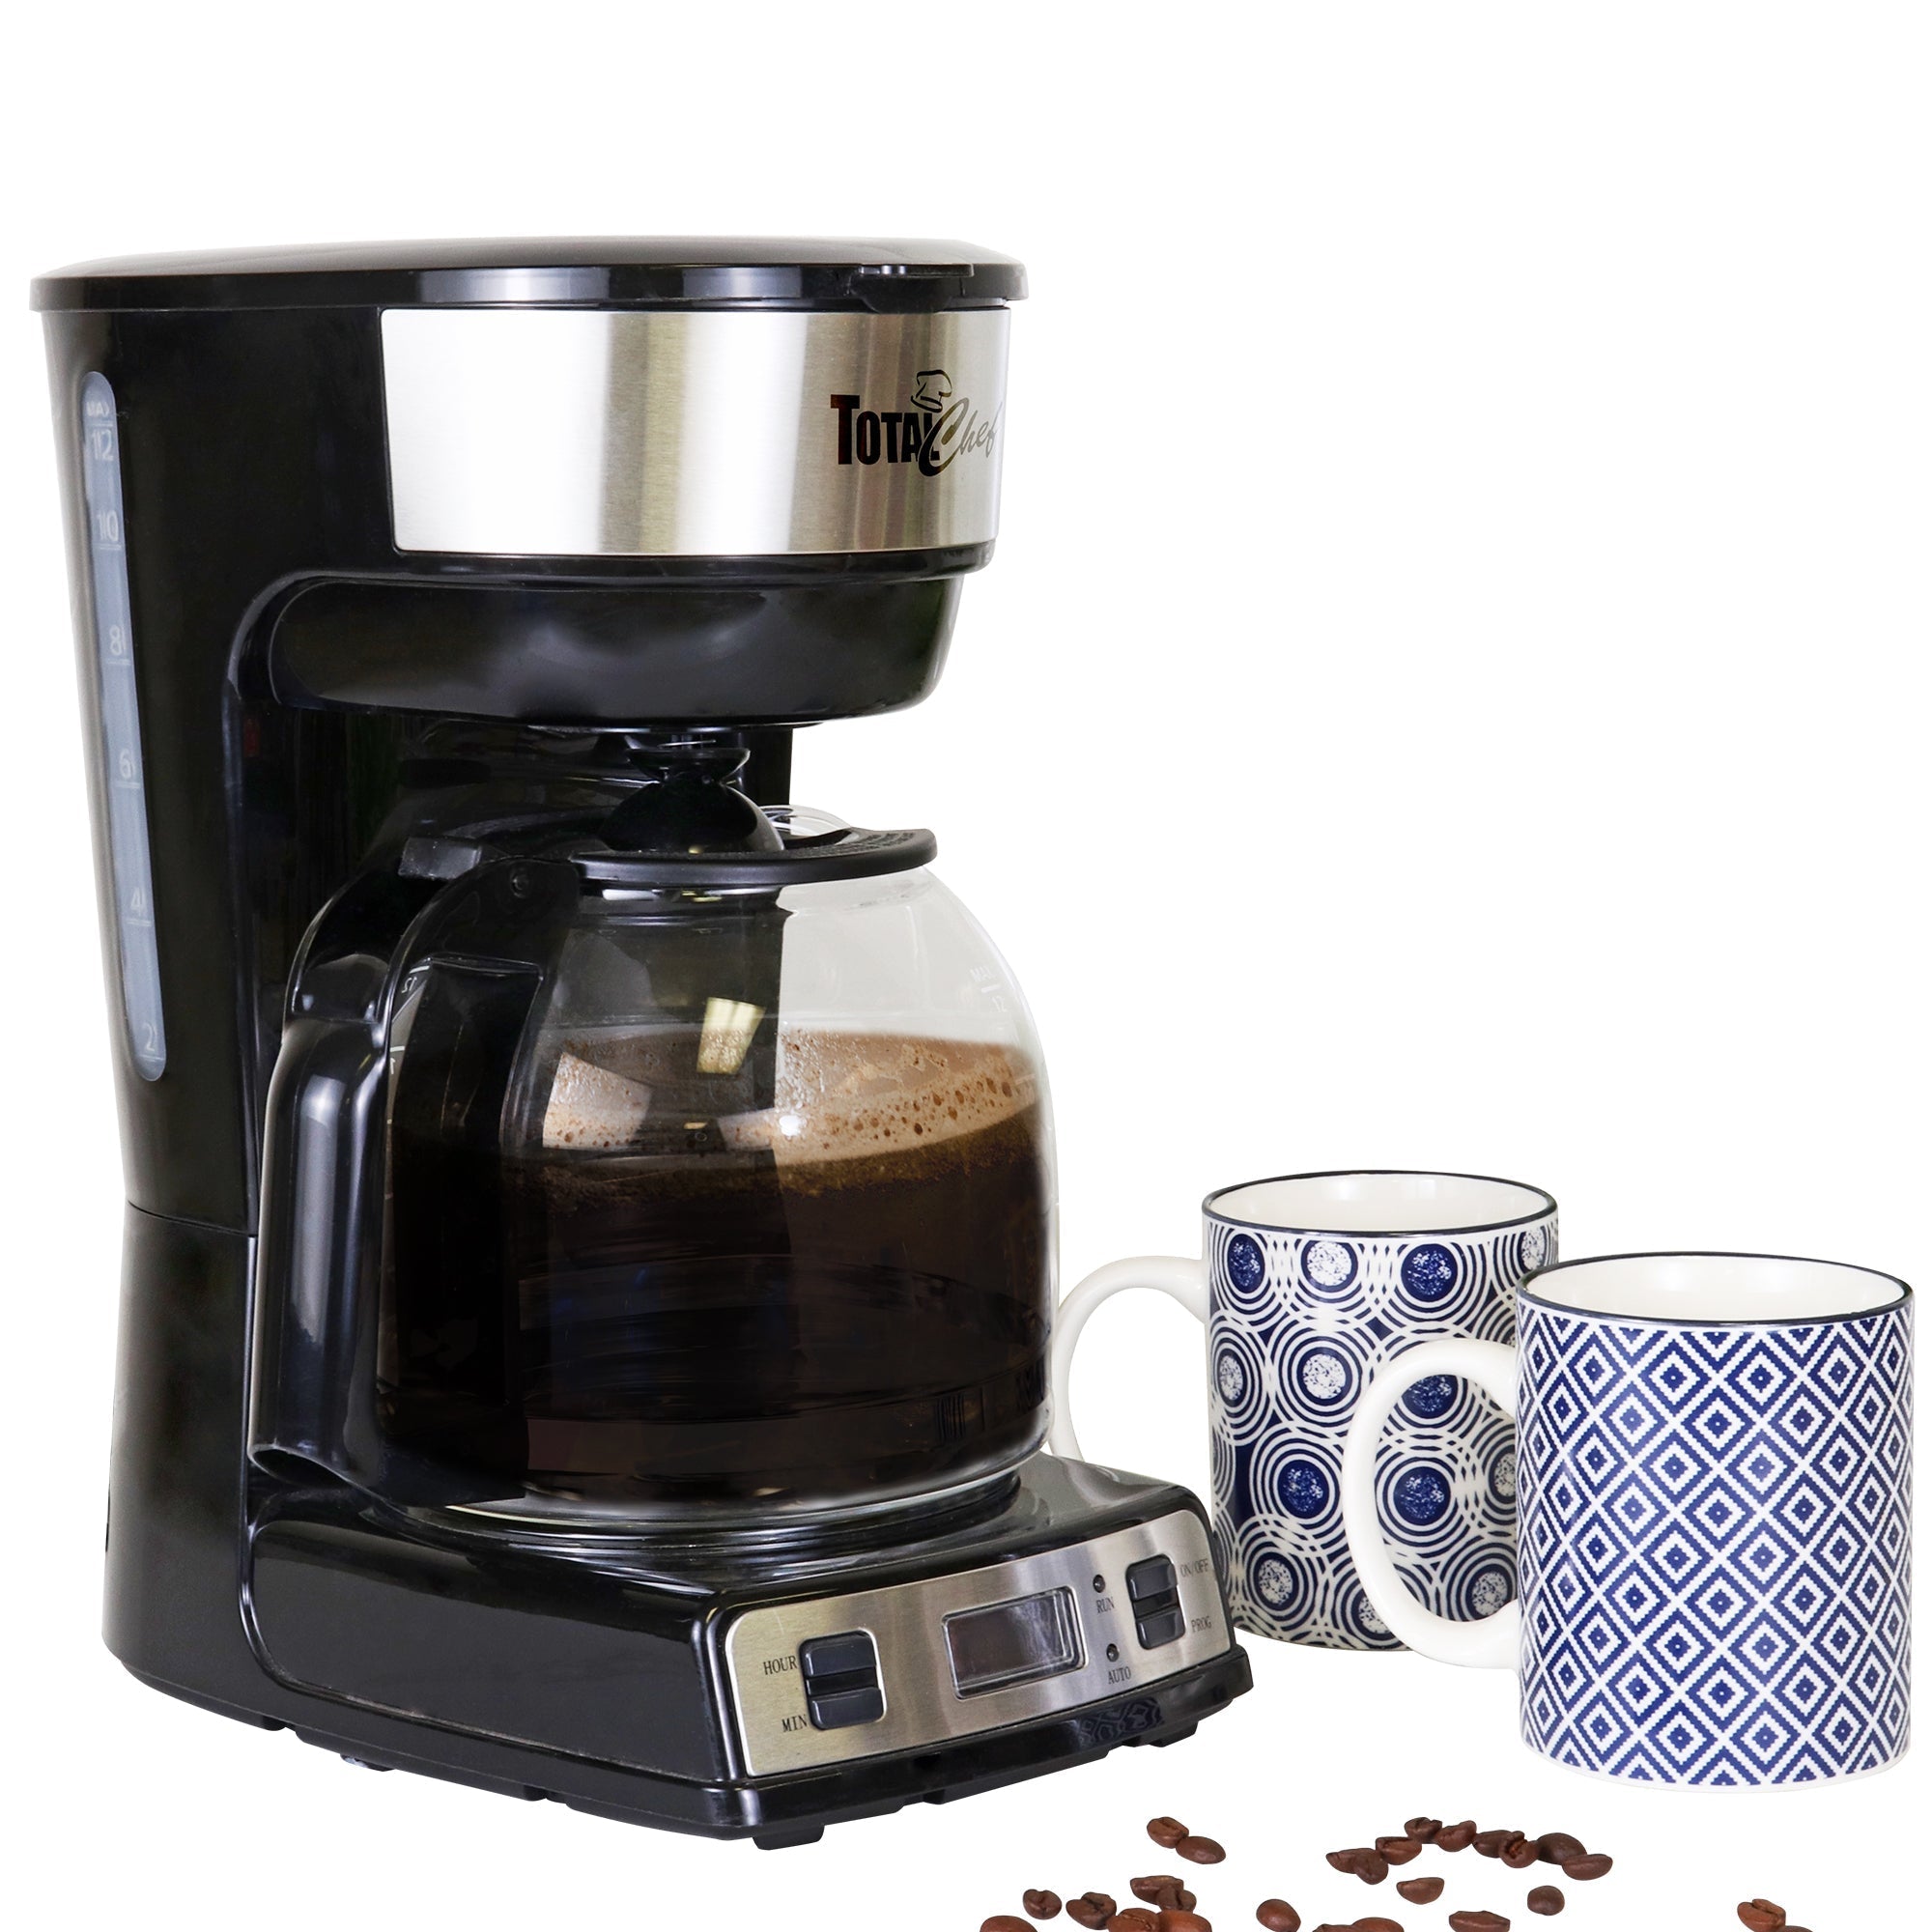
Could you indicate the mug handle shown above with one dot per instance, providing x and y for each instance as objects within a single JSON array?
[
  {"x": 1490, "y": 1643},
  {"x": 1173, "y": 1274}
]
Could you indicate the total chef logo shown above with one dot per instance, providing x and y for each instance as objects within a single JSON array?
[{"x": 934, "y": 433}]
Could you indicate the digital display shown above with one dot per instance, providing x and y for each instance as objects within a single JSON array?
[{"x": 1014, "y": 1643}]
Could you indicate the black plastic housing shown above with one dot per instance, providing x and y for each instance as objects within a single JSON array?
[{"x": 310, "y": 696}]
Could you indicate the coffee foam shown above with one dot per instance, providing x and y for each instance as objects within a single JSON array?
[
  {"x": 854, "y": 1096},
  {"x": 593, "y": 1108},
  {"x": 838, "y": 1096}
]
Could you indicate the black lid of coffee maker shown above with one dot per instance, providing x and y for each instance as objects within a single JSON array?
[{"x": 648, "y": 271}]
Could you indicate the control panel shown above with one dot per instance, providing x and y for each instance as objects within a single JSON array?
[{"x": 913, "y": 1665}]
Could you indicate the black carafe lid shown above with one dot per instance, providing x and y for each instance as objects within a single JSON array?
[{"x": 687, "y": 827}]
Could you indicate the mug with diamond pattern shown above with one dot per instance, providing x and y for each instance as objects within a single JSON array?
[
  {"x": 1307, "y": 1285},
  {"x": 1714, "y": 1492}
]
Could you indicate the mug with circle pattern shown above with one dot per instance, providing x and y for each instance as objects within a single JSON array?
[{"x": 1308, "y": 1284}]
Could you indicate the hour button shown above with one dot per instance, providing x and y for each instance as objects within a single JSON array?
[{"x": 842, "y": 1680}]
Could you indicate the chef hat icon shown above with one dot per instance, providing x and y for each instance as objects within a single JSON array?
[{"x": 930, "y": 389}]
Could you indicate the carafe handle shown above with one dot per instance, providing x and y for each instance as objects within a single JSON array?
[{"x": 370, "y": 961}]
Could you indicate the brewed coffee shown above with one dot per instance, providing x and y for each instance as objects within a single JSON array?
[{"x": 841, "y": 1295}]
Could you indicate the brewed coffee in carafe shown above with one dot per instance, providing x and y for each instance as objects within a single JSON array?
[{"x": 774, "y": 1190}]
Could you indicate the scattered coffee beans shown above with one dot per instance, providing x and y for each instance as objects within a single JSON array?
[
  {"x": 1168, "y": 1906},
  {"x": 1762, "y": 1916}
]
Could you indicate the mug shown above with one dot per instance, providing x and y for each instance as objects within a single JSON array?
[
  {"x": 1714, "y": 1510},
  {"x": 1307, "y": 1285}
]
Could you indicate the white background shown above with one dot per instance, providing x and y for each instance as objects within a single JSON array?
[{"x": 1450, "y": 693}]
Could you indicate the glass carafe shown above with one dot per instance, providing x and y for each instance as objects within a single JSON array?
[{"x": 721, "y": 1192}]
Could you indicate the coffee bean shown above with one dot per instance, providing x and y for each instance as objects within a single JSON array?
[
  {"x": 1592, "y": 1864},
  {"x": 1399, "y": 1851},
  {"x": 1478, "y": 1921},
  {"x": 1490, "y": 1844},
  {"x": 1041, "y": 1904},
  {"x": 1421, "y": 1890},
  {"x": 1457, "y": 1837},
  {"x": 1166, "y": 1833},
  {"x": 1423, "y": 1830},
  {"x": 1135, "y": 1918},
  {"x": 1546, "y": 1901},
  {"x": 1003, "y": 1922},
  {"x": 1362, "y": 1861},
  {"x": 1554, "y": 1847},
  {"x": 1761, "y": 1915},
  {"x": 1184, "y": 1922},
  {"x": 1163, "y": 1891},
  {"x": 1090, "y": 1916},
  {"x": 1199, "y": 1851},
  {"x": 1277, "y": 1914},
  {"x": 1520, "y": 1855},
  {"x": 1377, "y": 1926},
  {"x": 1102, "y": 1902}
]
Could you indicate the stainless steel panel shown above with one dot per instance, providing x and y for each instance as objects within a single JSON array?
[
  {"x": 584, "y": 432},
  {"x": 908, "y": 1624}
]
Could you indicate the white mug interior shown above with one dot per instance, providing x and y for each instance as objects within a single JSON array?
[
  {"x": 1714, "y": 1288},
  {"x": 1387, "y": 1202}
]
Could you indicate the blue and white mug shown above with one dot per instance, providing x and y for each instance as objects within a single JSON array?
[
  {"x": 1307, "y": 1285},
  {"x": 1715, "y": 1498}
]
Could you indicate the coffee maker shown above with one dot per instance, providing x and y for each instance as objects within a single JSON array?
[{"x": 589, "y": 1248}]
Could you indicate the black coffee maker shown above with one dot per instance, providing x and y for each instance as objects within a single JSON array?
[{"x": 591, "y": 1251}]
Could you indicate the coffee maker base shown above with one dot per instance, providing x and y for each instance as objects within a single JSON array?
[
  {"x": 775, "y": 1816},
  {"x": 767, "y": 1703}
]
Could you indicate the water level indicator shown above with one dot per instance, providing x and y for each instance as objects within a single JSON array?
[{"x": 121, "y": 729}]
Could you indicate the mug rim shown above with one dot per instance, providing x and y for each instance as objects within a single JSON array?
[
  {"x": 1212, "y": 1212},
  {"x": 1526, "y": 1291}
]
